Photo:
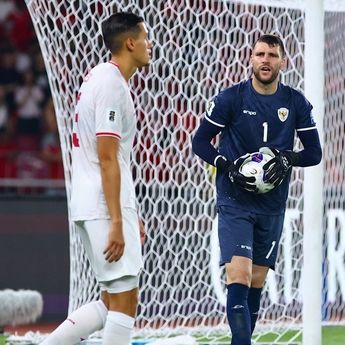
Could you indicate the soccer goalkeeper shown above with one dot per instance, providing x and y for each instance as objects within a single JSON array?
[{"x": 259, "y": 114}]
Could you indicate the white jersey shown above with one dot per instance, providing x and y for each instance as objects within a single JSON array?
[{"x": 105, "y": 108}]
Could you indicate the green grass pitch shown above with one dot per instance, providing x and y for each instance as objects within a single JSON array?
[{"x": 331, "y": 335}]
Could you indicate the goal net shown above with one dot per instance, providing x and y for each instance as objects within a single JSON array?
[{"x": 200, "y": 47}]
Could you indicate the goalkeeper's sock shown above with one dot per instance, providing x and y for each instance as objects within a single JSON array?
[
  {"x": 254, "y": 296},
  {"x": 238, "y": 314},
  {"x": 79, "y": 325},
  {"x": 118, "y": 329}
]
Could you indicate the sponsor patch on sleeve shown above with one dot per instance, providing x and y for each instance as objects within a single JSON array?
[
  {"x": 209, "y": 107},
  {"x": 111, "y": 115}
]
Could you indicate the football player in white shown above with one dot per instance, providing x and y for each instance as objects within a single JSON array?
[{"x": 103, "y": 205}]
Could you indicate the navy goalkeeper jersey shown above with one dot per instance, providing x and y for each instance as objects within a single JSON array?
[{"x": 250, "y": 120}]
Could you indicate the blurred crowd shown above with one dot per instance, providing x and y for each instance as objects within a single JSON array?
[{"x": 29, "y": 140}]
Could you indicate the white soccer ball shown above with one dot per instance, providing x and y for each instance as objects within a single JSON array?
[{"x": 253, "y": 166}]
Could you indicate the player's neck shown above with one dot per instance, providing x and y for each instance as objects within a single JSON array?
[
  {"x": 126, "y": 69},
  {"x": 265, "y": 89}
]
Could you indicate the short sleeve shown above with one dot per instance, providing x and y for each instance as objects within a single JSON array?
[{"x": 109, "y": 108}]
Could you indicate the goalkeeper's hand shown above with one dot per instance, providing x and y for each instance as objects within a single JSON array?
[
  {"x": 279, "y": 166},
  {"x": 232, "y": 169}
]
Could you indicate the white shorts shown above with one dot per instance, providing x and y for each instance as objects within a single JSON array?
[{"x": 94, "y": 235}]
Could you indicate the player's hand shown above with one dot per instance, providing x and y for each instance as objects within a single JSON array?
[
  {"x": 278, "y": 167},
  {"x": 142, "y": 231},
  {"x": 232, "y": 168},
  {"x": 116, "y": 243}
]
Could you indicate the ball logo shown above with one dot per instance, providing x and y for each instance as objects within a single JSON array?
[
  {"x": 257, "y": 157},
  {"x": 253, "y": 171},
  {"x": 250, "y": 169}
]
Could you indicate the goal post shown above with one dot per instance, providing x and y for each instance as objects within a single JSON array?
[
  {"x": 313, "y": 177},
  {"x": 201, "y": 47}
]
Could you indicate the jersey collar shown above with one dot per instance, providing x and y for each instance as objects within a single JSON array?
[
  {"x": 117, "y": 66},
  {"x": 114, "y": 63}
]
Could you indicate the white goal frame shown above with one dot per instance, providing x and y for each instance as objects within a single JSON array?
[{"x": 313, "y": 178}]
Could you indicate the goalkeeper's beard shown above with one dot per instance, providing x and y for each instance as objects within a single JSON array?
[{"x": 274, "y": 76}]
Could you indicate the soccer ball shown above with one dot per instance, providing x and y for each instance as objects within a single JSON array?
[{"x": 253, "y": 166}]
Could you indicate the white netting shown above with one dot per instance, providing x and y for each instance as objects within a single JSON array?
[
  {"x": 334, "y": 160},
  {"x": 200, "y": 48}
]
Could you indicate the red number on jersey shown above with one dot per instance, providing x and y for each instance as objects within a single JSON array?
[{"x": 75, "y": 140}]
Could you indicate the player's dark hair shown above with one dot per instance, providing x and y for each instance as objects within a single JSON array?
[
  {"x": 271, "y": 40},
  {"x": 116, "y": 26}
]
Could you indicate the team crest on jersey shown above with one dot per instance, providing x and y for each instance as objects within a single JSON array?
[
  {"x": 283, "y": 114},
  {"x": 209, "y": 108}
]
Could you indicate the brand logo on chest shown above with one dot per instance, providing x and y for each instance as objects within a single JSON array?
[
  {"x": 283, "y": 114},
  {"x": 249, "y": 112}
]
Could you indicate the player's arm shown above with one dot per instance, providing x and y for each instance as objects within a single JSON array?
[
  {"x": 201, "y": 143},
  {"x": 202, "y": 147},
  {"x": 279, "y": 166},
  {"x": 142, "y": 231},
  {"x": 107, "y": 149},
  {"x": 109, "y": 109},
  {"x": 312, "y": 152}
]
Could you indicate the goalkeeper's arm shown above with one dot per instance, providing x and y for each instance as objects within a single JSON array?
[
  {"x": 279, "y": 166},
  {"x": 202, "y": 147},
  {"x": 312, "y": 152},
  {"x": 201, "y": 143}
]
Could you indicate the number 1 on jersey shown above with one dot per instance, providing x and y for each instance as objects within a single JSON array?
[
  {"x": 271, "y": 250},
  {"x": 265, "y": 125}
]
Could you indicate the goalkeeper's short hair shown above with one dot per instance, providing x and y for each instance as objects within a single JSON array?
[{"x": 271, "y": 40}]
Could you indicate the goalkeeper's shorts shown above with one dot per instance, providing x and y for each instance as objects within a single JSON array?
[{"x": 244, "y": 233}]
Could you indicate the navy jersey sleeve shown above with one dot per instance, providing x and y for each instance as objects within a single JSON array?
[
  {"x": 307, "y": 132},
  {"x": 218, "y": 111},
  {"x": 201, "y": 142},
  {"x": 304, "y": 119},
  {"x": 312, "y": 152},
  {"x": 217, "y": 116}
]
